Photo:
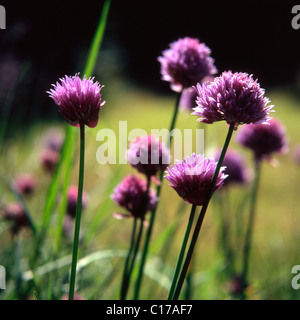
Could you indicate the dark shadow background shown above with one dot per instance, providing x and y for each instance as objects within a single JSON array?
[{"x": 46, "y": 40}]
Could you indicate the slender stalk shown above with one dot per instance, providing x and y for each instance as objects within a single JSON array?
[
  {"x": 202, "y": 214},
  {"x": 249, "y": 231},
  {"x": 136, "y": 249},
  {"x": 135, "y": 245},
  {"x": 173, "y": 121},
  {"x": 182, "y": 251},
  {"x": 78, "y": 214},
  {"x": 153, "y": 213},
  {"x": 134, "y": 254},
  {"x": 224, "y": 240},
  {"x": 125, "y": 281}
]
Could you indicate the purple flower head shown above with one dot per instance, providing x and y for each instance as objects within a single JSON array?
[
  {"x": 72, "y": 201},
  {"x": 49, "y": 159},
  {"x": 15, "y": 213},
  {"x": 131, "y": 195},
  {"x": 53, "y": 139},
  {"x": 189, "y": 95},
  {"x": 186, "y": 63},
  {"x": 233, "y": 97},
  {"x": 235, "y": 167},
  {"x": 191, "y": 178},
  {"x": 263, "y": 140},
  {"x": 148, "y": 155},
  {"x": 79, "y": 101},
  {"x": 25, "y": 183}
]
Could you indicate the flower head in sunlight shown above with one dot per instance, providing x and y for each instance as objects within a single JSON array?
[
  {"x": 78, "y": 100},
  {"x": 233, "y": 97},
  {"x": 186, "y": 63},
  {"x": 148, "y": 155},
  {"x": 264, "y": 140},
  {"x": 131, "y": 195},
  {"x": 192, "y": 176}
]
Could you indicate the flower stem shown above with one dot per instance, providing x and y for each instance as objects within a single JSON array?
[
  {"x": 172, "y": 125},
  {"x": 249, "y": 231},
  {"x": 134, "y": 254},
  {"x": 135, "y": 244},
  {"x": 182, "y": 251},
  {"x": 153, "y": 213},
  {"x": 125, "y": 281},
  {"x": 78, "y": 214},
  {"x": 202, "y": 214}
]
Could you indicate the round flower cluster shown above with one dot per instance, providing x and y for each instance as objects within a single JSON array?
[
  {"x": 235, "y": 167},
  {"x": 191, "y": 178},
  {"x": 233, "y": 97},
  {"x": 263, "y": 140},
  {"x": 148, "y": 155},
  {"x": 186, "y": 63},
  {"x": 131, "y": 195},
  {"x": 79, "y": 101}
]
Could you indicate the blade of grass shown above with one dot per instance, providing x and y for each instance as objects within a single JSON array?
[
  {"x": 97, "y": 41},
  {"x": 51, "y": 198},
  {"x": 106, "y": 203},
  {"x": 63, "y": 205}
]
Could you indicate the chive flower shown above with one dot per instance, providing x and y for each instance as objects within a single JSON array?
[
  {"x": 148, "y": 155},
  {"x": 233, "y": 97},
  {"x": 192, "y": 176},
  {"x": 189, "y": 95},
  {"x": 79, "y": 101},
  {"x": 131, "y": 195},
  {"x": 72, "y": 201},
  {"x": 25, "y": 184},
  {"x": 185, "y": 63},
  {"x": 235, "y": 167},
  {"x": 14, "y": 212},
  {"x": 53, "y": 139},
  {"x": 188, "y": 99},
  {"x": 49, "y": 159},
  {"x": 264, "y": 140}
]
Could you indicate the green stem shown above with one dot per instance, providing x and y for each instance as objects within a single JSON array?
[
  {"x": 78, "y": 214},
  {"x": 182, "y": 251},
  {"x": 225, "y": 245},
  {"x": 173, "y": 121},
  {"x": 125, "y": 281},
  {"x": 135, "y": 251},
  {"x": 202, "y": 214},
  {"x": 249, "y": 231},
  {"x": 137, "y": 243},
  {"x": 153, "y": 213}
]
